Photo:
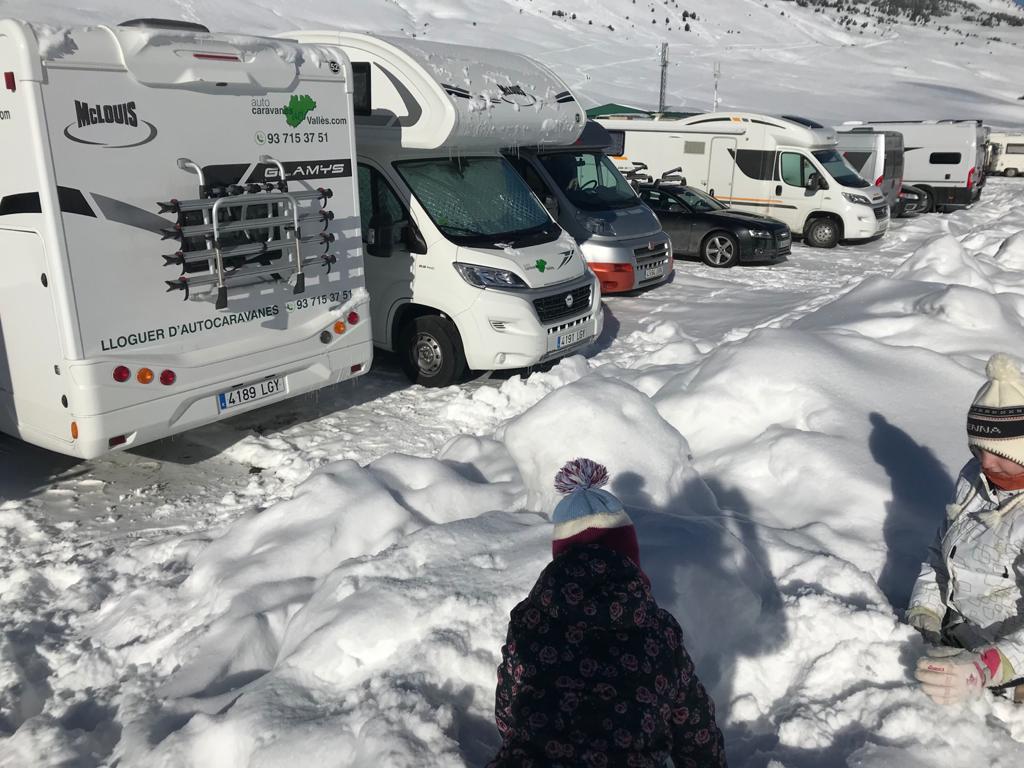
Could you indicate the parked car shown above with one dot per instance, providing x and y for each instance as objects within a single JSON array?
[
  {"x": 701, "y": 226},
  {"x": 911, "y": 202}
]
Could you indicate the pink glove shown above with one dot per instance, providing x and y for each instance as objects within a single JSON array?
[{"x": 951, "y": 675}]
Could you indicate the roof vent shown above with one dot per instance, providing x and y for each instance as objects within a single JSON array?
[{"x": 175, "y": 24}]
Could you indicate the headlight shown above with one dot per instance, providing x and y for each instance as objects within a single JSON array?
[
  {"x": 489, "y": 277},
  {"x": 856, "y": 199},
  {"x": 595, "y": 226},
  {"x": 761, "y": 234}
]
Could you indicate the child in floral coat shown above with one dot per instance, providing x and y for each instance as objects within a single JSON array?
[{"x": 593, "y": 672}]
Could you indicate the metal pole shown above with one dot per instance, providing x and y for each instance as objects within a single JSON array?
[
  {"x": 664, "y": 76},
  {"x": 718, "y": 74}
]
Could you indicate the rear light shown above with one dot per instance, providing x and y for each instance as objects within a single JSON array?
[
  {"x": 9, "y": 82},
  {"x": 74, "y": 430},
  {"x": 353, "y": 317},
  {"x": 144, "y": 376},
  {"x": 119, "y": 440},
  {"x": 339, "y": 327},
  {"x": 878, "y": 181},
  {"x": 970, "y": 178},
  {"x": 122, "y": 373},
  {"x": 168, "y": 377},
  {"x": 356, "y": 368}
]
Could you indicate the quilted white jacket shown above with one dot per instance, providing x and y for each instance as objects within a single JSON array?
[{"x": 975, "y": 567}]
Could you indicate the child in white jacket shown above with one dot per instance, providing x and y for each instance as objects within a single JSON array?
[{"x": 969, "y": 598}]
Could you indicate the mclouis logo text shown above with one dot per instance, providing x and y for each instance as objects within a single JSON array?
[{"x": 114, "y": 126}]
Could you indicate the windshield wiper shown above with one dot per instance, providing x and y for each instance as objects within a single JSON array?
[{"x": 463, "y": 231}]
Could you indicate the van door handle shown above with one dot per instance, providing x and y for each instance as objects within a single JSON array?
[
  {"x": 778, "y": 189},
  {"x": 947, "y": 177}
]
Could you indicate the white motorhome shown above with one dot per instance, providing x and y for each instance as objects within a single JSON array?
[
  {"x": 621, "y": 238},
  {"x": 787, "y": 168},
  {"x": 877, "y": 156},
  {"x": 1007, "y": 154},
  {"x": 179, "y": 219},
  {"x": 465, "y": 267},
  {"x": 943, "y": 158}
]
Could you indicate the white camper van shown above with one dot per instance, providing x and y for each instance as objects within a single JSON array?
[
  {"x": 877, "y": 156},
  {"x": 1007, "y": 154},
  {"x": 621, "y": 238},
  {"x": 944, "y": 158},
  {"x": 179, "y": 221},
  {"x": 787, "y": 168},
  {"x": 464, "y": 265}
]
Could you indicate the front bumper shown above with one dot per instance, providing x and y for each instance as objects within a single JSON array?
[
  {"x": 630, "y": 264},
  {"x": 504, "y": 329},
  {"x": 759, "y": 249},
  {"x": 867, "y": 224}
]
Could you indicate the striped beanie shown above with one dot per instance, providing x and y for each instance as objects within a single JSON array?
[
  {"x": 589, "y": 515},
  {"x": 995, "y": 422}
]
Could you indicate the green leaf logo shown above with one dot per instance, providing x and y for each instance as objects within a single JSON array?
[
  {"x": 297, "y": 109},
  {"x": 541, "y": 265}
]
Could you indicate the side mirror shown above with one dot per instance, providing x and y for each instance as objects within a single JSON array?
[
  {"x": 815, "y": 182},
  {"x": 413, "y": 239},
  {"x": 378, "y": 240},
  {"x": 551, "y": 205}
]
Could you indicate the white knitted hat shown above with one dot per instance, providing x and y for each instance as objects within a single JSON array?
[{"x": 995, "y": 421}]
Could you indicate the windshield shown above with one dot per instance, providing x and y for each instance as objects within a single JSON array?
[
  {"x": 590, "y": 180},
  {"x": 476, "y": 200},
  {"x": 698, "y": 201},
  {"x": 839, "y": 169}
]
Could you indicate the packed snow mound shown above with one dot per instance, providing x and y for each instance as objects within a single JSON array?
[
  {"x": 1010, "y": 255},
  {"x": 944, "y": 260},
  {"x": 612, "y": 423}
]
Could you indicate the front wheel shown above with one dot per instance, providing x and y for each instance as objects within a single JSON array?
[
  {"x": 928, "y": 203},
  {"x": 1011, "y": 172},
  {"x": 431, "y": 353},
  {"x": 720, "y": 249},
  {"x": 822, "y": 233}
]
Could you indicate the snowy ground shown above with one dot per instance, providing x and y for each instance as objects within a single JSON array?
[{"x": 784, "y": 437}]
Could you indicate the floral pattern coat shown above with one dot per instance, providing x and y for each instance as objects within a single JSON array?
[{"x": 595, "y": 674}]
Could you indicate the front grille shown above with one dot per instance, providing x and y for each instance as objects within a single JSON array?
[
  {"x": 882, "y": 212},
  {"x": 652, "y": 251},
  {"x": 554, "y": 307}
]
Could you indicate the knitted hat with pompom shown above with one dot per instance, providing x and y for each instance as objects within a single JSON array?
[
  {"x": 995, "y": 422},
  {"x": 589, "y": 515}
]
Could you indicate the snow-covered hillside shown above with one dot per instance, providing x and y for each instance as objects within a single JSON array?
[{"x": 777, "y": 56}]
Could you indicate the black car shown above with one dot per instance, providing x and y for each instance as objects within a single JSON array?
[
  {"x": 701, "y": 226},
  {"x": 911, "y": 202}
]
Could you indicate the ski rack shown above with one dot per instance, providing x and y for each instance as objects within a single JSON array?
[{"x": 224, "y": 210}]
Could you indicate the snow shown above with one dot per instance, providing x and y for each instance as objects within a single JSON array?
[{"x": 327, "y": 581}]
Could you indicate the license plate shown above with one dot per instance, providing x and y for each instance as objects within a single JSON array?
[
  {"x": 564, "y": 340},
  {"x": 250, "y": 393},
  {"x": 654, "y": 272}
]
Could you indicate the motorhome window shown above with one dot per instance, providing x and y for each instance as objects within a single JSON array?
[
  {"x": 362, "y": 97},
  {"x": 378, "y": 203},
  {"x": 694, "y": 147},
  {"x": 796, "y": 169},
  {"x": 756, "y": 163},
  {"x": 944, "y": 158},
  {"x": 839, "y": 169},
  {"x": 1015, "y": 149},
  {"x": 858, "y": 160},
  {"x": 590, "y": 180},
  {"x": 696, "y": 200},
  {"x": 617, "y": 148},
  {"x": 476, "y": 200}
]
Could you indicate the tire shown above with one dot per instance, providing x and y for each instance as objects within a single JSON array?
[
  {"x": 1010, "y": 173},
  {"x": 720, "y": 250},
  {"x": 430, "y": 351},
  {"x": 928, "y": 206},
  {"x": 822, "y": 233}
]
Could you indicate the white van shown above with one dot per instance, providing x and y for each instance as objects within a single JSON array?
[
  {"x": 1007, "y": 158},
  {"x": 179, "y": 221},
  {"x": 465, "y": 267},
  {"x": 621, "y": 238},
  {"x": 875, "y": 155},
  {"x": 787, "y": 168},
  {"x": 943, "y": 158}
]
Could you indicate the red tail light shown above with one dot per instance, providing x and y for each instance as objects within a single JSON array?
[
  {"x": 878, "y": 181},
  {"x": 970, "y": 179},
  {"x": 353, "y": 318},
  {"x": 216, "y": 56},
  {"x": 122, "y": 373},
  {"x": 119, "y": 440},
  {"x": 168, "y": 377},
  {"x": 9, "y": 82}
]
